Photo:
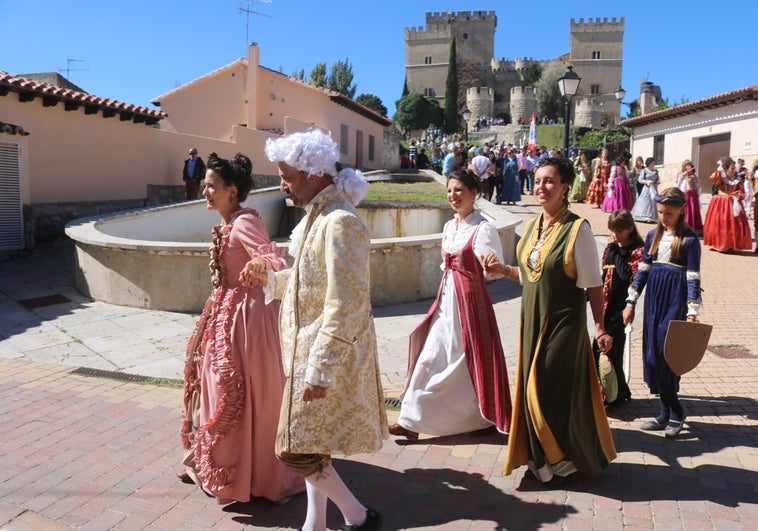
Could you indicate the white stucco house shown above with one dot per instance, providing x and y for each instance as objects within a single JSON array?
[{"x": 701, "y": 131}]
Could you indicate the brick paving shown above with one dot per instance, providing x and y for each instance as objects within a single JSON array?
[{"x": 94, "y": 453}]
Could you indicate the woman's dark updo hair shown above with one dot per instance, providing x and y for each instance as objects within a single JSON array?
[
  {"x": 237, "y": 171},
  {"x": 467, "y": 179},
  {"x": 564, "y": 166}
]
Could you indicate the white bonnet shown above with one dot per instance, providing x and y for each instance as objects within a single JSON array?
[{"x": 315, "y": 153}]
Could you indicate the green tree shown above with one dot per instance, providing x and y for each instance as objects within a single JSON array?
[
  {"x": 451, "y": 123},
  {"x": 341, "y": 79},
  {"x": 299, "y": 74},
  {"x": 415, "y": 112},
  {"x": 405, "y": 88},
  {"x": 372, "y": 102},
  {"x": 549, "y": 99},
  {"x": 531, "y": 74},
  {"x": 318, "y": 75}
]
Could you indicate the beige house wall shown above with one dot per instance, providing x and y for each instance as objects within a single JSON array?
[
  {"x": 258, "y": 98},
  {"x": 211, "y": 105}
]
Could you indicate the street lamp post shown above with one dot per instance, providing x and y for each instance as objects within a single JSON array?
[
  {"x": 466, "y": 117},
  {"x": 620, "y": 93},
  {"x": 568, "y": 85}
]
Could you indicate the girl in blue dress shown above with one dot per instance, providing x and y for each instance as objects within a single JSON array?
[{"x": 670, "y": 268}]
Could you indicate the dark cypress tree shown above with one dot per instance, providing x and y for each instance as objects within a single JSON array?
[
  {"x": 405, "y": 88},
  {"x": 452, "y": 120}
]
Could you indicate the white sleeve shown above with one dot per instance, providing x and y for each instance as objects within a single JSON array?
[
  {"x": 586, "y": 259},
  {"x": 488, "y": 241}
]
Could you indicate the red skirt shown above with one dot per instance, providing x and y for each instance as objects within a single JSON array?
[{"x": 723, "y": 230}]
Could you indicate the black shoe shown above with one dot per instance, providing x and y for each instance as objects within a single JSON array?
[{"x": 373, "y": 522}]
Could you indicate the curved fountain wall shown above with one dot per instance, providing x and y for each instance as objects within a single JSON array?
[{"x": 157, "y": 258}]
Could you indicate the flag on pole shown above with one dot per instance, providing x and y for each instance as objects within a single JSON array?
[{"x": 532, "y": 146}]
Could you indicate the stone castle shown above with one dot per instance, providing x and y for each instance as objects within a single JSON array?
[{"x": 595, "y": 52}]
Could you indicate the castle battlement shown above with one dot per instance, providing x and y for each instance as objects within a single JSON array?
[
  {"x": 597, "y": 25},
  {"x": 523, "y": 91},
  {"x": 422, "y": 34},
  {"x": 445, "y": 17}
]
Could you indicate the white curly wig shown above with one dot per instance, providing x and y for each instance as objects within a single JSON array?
[{"x": 315, "y": 152}]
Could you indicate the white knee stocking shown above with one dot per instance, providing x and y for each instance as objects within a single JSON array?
[
  {"x": 329, "y": 483},
  {"x": 315, "y": 517}
]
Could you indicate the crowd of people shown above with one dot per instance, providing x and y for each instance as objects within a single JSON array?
[{"x": 282, "y": 368}]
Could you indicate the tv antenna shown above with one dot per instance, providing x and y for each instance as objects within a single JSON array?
[
  {"x": 68, "y": 68},
  {"x": 248, "y": 11}
]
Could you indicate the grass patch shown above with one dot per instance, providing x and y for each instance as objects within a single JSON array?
[{"x": 412, "y": 192}]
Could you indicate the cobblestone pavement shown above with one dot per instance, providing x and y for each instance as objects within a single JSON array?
[{"x": 88, "y": 444}]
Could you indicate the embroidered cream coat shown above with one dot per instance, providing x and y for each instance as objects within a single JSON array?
[{"x": 326, "y": 320}]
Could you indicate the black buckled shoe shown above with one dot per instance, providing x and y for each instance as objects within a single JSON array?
[{"x": 373, "y": 522}]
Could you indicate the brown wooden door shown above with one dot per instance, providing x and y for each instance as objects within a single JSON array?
[{"x": 710, "y": 150}]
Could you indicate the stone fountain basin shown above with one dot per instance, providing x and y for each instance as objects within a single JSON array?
[{"x": 157, "y": 257}]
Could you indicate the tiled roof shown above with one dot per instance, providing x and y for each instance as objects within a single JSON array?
[
  {"x": 711, "y": 102},
  {"x": 29, "y": 89}
]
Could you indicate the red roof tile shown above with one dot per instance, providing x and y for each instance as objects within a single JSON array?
[{"x": 30, "y": 88}]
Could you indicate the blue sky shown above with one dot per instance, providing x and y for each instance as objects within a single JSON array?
[{"x": 135, "y": 50}]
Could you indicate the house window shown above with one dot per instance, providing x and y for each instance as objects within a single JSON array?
[
  {"x": 344, "y": 131},
  {"x": 658, "y": 144},
  {"x": 596, "y": 54},
  {"x": 371, "y": 144},
  {"x": 594, "y": 89}
]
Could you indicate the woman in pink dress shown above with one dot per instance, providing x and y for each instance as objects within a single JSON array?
[
  {"x": 689, "y": 183},
  {"x": 233, "y": 377},
  {"x": 601, "y": 167},
  {"x": 619, "y": 195}
]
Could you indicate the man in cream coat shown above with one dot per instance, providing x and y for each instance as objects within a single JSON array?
[{"x": 333, "y": 402}]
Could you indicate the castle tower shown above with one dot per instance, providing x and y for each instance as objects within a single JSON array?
[
  {"x": 588, "y": 112},
  {"x": 597, "y": 56},
  {"x": 427, "y": 50},
  {"x": 523, "y": 103},
  {"x": 481, "y": 102}
]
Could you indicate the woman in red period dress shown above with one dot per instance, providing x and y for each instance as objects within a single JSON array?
[
  {"x": 726, "y": 227},
  {"x": 599, "y": 185}
]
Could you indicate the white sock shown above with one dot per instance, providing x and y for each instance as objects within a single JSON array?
[
  {"x": 329, "y": 483},
  {"x": 315, "y": 517}
]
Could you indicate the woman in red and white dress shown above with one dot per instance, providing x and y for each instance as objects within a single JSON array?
[{"x": 726, "y": 227}]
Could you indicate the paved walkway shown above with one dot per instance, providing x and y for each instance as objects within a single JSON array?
[{"x": 84, "y": 448}]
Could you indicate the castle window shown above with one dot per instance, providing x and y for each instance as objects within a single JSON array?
[
  {"x": 428, "y": 60},
  {"x": 596, "y": 54},
  {"x": 465, "y": 36},
  {"x": 594, "y": 89},
  {"x": 429, "y": 92}
]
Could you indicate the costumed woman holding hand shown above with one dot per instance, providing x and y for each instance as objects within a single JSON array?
[
  {"x": 559, "y": 424},
  {"x": 233, "y": 376},
  {"x": 457, "y": 379}
]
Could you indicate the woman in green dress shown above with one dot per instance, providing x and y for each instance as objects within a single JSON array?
[{"x": 559, "y": 425}]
